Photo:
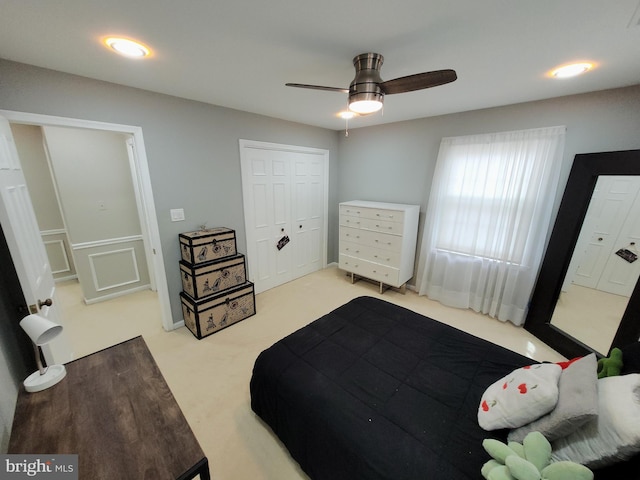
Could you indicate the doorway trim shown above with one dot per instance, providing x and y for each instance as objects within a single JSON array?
[{"x": 142, "y": 187}]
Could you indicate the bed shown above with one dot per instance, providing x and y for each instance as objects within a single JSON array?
[{"x": 374, "y": 391}]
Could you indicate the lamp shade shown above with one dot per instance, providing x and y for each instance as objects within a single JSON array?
[{"x": 40, "y": 330}]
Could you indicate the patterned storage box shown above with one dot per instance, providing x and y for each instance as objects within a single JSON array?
[
  {"x": 209, "y": 315},
  {"x": 207, "y": 245},
  {"x": 202, "y": 280}
]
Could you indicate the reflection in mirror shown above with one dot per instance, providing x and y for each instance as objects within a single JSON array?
[
  {"x": 555, "y": 276},
  {"x": 604, "y": 267}
]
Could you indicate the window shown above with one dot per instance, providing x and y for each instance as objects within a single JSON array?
[{"x": 488, "y": 215}]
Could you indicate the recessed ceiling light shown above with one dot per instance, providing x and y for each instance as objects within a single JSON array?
[
  {"x": 571, "y": 70},
  {"x": 127, "y": 47}
]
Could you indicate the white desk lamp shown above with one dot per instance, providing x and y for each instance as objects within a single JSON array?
[{"x": 42, "y": 331}]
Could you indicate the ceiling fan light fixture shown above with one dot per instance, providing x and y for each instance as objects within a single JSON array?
[
  {"x": 365, "y": 102},
  {"x": 363, "y": 107}
]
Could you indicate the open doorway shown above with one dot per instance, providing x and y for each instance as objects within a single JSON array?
[{"x": 142, "y": 203}]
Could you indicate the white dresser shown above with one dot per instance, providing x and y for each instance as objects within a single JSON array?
[{"x": 378, "y": 241}]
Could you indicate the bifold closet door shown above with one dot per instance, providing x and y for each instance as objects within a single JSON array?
[{"x": 285, "y": 209}]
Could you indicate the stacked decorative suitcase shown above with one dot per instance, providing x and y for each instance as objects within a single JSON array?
[{"x": 216, "y": 292}]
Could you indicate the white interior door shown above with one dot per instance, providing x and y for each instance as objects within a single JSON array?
[
  {"x": 609, "y": 225},
  {"x": 619, "y": 275},
  {"x": 308, "y": 183},
  {"x": 267, "y": 193},
  {"x": 285, "y": 196},
  {"x": 25, "y": 244}
]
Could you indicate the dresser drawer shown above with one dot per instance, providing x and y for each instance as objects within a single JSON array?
[
  {"x": 378, "y": 225},
  {"x": 350, "y": 221},
  {"x": 372, "y": 254},
  {"x": 396, "y": 216},
  {"x": 382, "y": 273},
  {"x": 352, "y": 249},
  {"x": 374, "y": 271},
  {"x": 385, "y": 257},
  {"x": 371, "y": 238},
  {"x": 350, "y": 210},
  {"x": 372, "y": 213},
  {"x": 351, "y": 264},
  {"x": 350, "y": 234}
]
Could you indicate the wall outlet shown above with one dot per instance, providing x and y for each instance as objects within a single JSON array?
[{"x": 177, "y": 214}]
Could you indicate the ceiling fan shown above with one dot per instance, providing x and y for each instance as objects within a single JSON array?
[{"x": 367, "y": 90}]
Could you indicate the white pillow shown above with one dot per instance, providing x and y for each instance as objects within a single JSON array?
[
  {"x": 519, "y": 398},
  {"x": 614, "y": 435},
  {"x": 577, "y": 402}
]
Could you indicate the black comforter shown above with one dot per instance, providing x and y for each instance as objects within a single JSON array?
[{"x": 376, "y": 391}]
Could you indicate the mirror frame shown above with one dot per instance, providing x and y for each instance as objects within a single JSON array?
[{"x": 582, "y": 180}]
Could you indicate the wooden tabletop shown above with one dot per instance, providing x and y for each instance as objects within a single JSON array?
[{"x": 115, "y": 410}]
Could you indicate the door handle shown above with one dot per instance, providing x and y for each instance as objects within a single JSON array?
[
  {"x": 48, "y": 302},
  {"x": 33, "y": 309}
]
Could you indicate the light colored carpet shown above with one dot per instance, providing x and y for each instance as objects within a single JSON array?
[
  {"x": 210, "y": 377},
  {"x": 590, "y": 316}
]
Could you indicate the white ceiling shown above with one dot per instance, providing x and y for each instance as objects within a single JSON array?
[{"x": 240, "y": 53}]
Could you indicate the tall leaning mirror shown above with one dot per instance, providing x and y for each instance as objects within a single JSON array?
[{"x": 587, "y": 298}]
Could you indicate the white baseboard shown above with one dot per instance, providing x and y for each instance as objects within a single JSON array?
[
  {"x": 64, "y": 279},
  {"x": 117, "y": 294},
  {"x": 177, "y": 325}
]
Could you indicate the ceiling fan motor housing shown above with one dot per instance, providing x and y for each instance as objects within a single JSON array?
[{"x": 366, "y": 84}]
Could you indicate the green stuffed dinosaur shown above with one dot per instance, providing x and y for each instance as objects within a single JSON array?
[
  {"x": 529, "y": 460},
  {"x": 612, "y": 365}
]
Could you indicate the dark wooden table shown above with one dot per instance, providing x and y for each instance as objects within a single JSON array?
[{"x": 115, "y": 410}]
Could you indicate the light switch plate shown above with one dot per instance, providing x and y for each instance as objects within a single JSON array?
[{"x": 177, "y": 214}]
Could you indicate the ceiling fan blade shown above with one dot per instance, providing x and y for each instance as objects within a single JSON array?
[
  {"x": 318, "y": 87},
  {"x": 418, "y": 81}
]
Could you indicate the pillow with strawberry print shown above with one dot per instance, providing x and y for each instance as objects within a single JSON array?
[{"x": 520, "y": 397}]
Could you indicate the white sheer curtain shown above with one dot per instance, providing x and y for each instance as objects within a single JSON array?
[{"x": 487, "y": 220}]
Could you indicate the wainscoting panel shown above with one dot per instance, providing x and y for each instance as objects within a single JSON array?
[
  {"x": 111, "y": 268},
  {"x": 59, "y": 254}
]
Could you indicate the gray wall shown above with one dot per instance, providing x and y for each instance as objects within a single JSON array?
[
  {"x": 192, "y": 148},
  {"x": 395, "y": 163},
  {"x": 92, "y": 167}
]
